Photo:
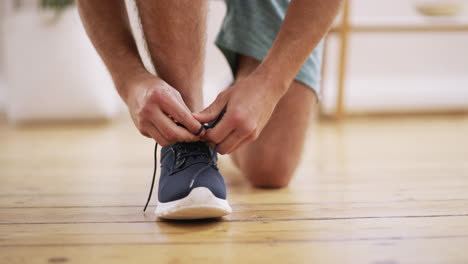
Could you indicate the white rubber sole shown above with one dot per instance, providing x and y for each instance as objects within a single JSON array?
[{"x": 199, "y": 204}]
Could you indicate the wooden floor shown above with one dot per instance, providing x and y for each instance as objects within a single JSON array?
[{"x": 372, "y": 191}]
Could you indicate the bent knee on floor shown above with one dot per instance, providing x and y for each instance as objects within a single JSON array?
[
  {"x": 264, "y": 179},
  {"x": 269, "y": 171}
]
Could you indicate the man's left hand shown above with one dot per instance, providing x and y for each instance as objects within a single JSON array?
[{"x": 249, "y": 104}]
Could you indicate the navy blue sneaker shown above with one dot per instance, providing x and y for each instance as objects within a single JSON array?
[{"x": 190, "y": 185}]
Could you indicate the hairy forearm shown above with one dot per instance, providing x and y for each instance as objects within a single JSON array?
[
  {"x": 305, "y": 24},
  {"x": 107, "y": 25}
]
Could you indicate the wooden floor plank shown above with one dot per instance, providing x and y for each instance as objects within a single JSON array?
[
  {"x": 344, "y": 230},
  {"x": 385, "y": 251},
  {"x": 242, "y": 212}
]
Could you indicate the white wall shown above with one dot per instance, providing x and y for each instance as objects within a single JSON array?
[
  {"x": 403, "y": 71},
  {"x": 6, "y": 7},
  {"x": 3, "y": 7}
]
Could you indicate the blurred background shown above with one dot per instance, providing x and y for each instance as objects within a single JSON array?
[{"x": 382, "y": 57}]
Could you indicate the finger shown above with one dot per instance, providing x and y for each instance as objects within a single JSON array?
[
  {"x": 220, "y": 132},
  {"x": 180, "y": 112},
  {"x": 211, "y": 112},
  {"x": 182, "y": 103},
  {"x": 170, "y": 130},
  {"x": 154, "y": 133},
  {"x": 200, "y": 131},
  {"x": 231, "y": 142},
  {"x": 249, "y": 139}
]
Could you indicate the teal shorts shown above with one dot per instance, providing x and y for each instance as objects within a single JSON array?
[{"x": 250, "y": 27}]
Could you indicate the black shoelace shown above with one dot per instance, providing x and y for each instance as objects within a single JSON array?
[
  {"x": 194, "y": 177},
  {"x": 193, "y": 149}
]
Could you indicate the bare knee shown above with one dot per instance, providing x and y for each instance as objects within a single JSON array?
[{"x": 269, "y": 170}]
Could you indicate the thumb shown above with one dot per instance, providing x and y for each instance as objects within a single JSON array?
[{"x": 211, "y": 112}]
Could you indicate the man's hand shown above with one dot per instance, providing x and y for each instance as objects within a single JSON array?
[
  {"x": 249, "y": 105},
  {"x": 155, "y": 106}
]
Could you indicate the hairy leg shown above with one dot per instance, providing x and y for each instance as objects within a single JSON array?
[
  {"x": 271, "y": 160},
  {"x": 175, "y": 32}
]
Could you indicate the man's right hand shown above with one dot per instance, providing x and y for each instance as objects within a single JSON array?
[{"x": 155, "y": 106}]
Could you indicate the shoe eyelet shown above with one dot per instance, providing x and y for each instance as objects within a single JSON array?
[{"x": 179, "y": 163}]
